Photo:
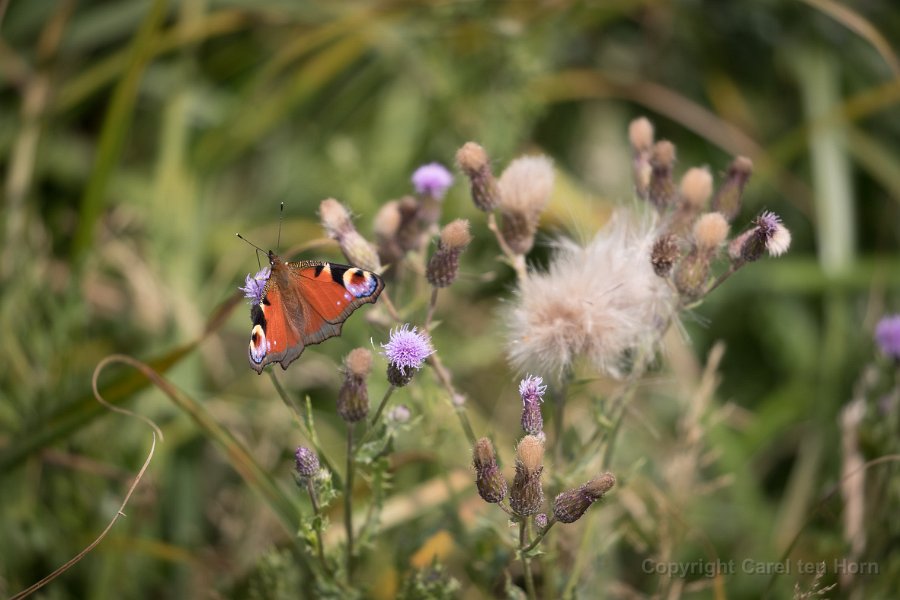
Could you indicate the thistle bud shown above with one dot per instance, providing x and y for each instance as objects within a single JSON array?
[
  {"x": 353, "y": 397},
  {"x": 665, "y": 254},
  {"x": 527, "y": 495},
  {"x": 409, "y": 233},
  {"x": 444, "y": 264},
  {"x": 540, "y": 520},
  {"x": 728, "y": 199},
  {"x": 386, "y": 226},
  {"x": 571, "y": 505},
  {"x": 525, "y": 189},
  {"x": 488, "y": 479},
  {"x": 696, "y": 188},
  {"x": 694, "y": 192},
  {"x": 307, "y": 462},
  {"x": 710, "y": 231},
  {"x": 692, "y": 273},
  {"x": 473, "y": 161},
  {"x": 767, "y": 235},
  {"x": 531, "y": 390},
  {"x": 640, "y": 134},
  {"x": 338, "y": 225},
  {"x": 661, "y": 191}
]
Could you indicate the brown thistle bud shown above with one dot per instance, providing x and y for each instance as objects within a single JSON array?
[
  {"x": 444, "y": 264},
  {"x": 525, "y": 189},
  {"x": 337, "y": 223},
  {"x": 527, "y": 495},
  {"x": 662, "y": 192},
  {"x": 640, "y": 134},
  {"x": 692, "y": 273},
  {"x": 353, "y": 397},
  {"x": 728, "y": 199},
  {"x": 665, "y": 254},
  {"x": 386, "y": 226},
  {"x": 569, "y": 506},
  {"x": 409, "y": 233},
  {"x": 473, "y": 161},
  {"x": 488, "y": 479}
]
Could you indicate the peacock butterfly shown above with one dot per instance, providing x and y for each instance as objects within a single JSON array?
[{"x": 296, "y": 304}]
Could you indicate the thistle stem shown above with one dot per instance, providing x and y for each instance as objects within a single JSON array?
[
  {"x": 384, "y": 400},
  {"x": 444, "y": 377},
  {"x": 318, "y": 527},
  {"x": 431, "y": 306},
  {"x": 348, "y": 501},
  {"x": 540, "y": 536},
  {"x": 526, "y": 564},
  {"x": 516, "y": 261}
]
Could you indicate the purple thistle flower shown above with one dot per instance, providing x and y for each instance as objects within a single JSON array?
[
  {"x": 255, "y": 286},
  {"x": 407, "y": 348},
  {"x": 432, "y": 180},
  {"x": 531, "y": 389},
  {"x": 887, "y": 336}
]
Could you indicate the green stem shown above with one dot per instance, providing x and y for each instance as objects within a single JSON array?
[
  {"x": 348, "y": 501},
  {"x": 540, "y": 536},
  {"x": 431, "y": 307},
  {"x": 315, "y": 504},
  {"x": 526, "y": 564},
  {"x": 374, "y": 421}
]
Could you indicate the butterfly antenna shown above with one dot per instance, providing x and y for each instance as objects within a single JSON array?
[
  {"x": 258, "y": 249},
  {"x": 280, "y": 219}
]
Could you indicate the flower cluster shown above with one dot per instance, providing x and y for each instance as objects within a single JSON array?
[
  {"x": 694, "y": 221},
  {"x": 255, "y": 285}
]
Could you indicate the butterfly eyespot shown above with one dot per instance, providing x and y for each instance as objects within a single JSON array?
[
  {"x": 259, "y": 346},
  {"x": 360, "y": 283}
]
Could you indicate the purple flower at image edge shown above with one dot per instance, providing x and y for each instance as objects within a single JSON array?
[
  {"x": 887, "y": 336},
  {"x": 432, "y": 180}
]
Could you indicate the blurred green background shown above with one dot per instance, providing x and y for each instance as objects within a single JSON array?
[{"x": 137, "y": 137}]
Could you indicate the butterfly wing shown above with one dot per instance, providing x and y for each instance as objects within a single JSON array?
[{"x": 306, "y": 303}]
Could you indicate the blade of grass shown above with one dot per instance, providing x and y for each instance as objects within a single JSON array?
[
  {"x": 114, "y": 129},
  {"x": 75, "y": 414}
]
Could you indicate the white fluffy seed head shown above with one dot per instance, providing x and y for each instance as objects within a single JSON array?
[
  {"x": 598, "y": 301},
  {"x": 526, "y": 185}
]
